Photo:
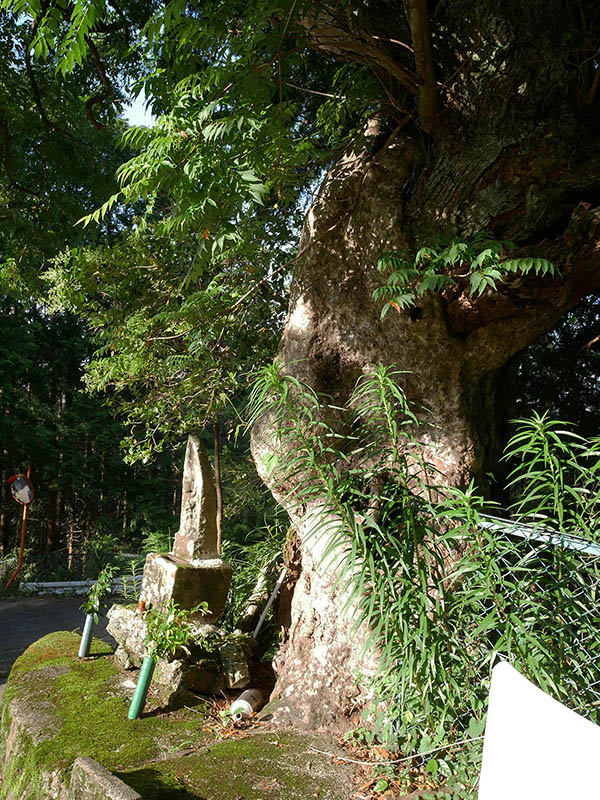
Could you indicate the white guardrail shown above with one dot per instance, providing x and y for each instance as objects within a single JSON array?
[
  {"x": 539, "y": 533},
  {"x": 120, "y": 586}
]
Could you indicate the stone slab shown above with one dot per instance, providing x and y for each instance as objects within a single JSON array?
[
  {"x": 32, "y": 717},
  {"x": 173, "y": 680},
  {"x": 127, "y": 626},
  {"x": 125, "y": 660},
  {"x": 201, "y": 672},
  {"x": 168, "y": 578},
  {"x": 91, "y": 781},
  {"x": 208, "y": 669},
  {"x": 235, "y": 665}
]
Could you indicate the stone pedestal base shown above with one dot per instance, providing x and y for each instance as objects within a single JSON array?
[
  {"x": 187, "y": 583},
  {"x": 216, "y": 661}
]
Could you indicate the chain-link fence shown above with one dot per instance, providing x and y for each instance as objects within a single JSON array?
[
  {"x": 547, "y": 603},
  {"x": 494, "y": 590},
  {"x": 498, "y": 590}
]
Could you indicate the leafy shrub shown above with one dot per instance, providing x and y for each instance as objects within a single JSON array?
[{"x": 168, "y": 629}]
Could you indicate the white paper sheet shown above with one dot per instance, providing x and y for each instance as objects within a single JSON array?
[{"x": 534, "y": 747}]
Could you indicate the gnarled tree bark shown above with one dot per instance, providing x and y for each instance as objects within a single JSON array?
[{"x": 514, "y": 150}]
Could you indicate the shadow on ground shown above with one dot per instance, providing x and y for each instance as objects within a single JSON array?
[{"x": 150, "y": 784}]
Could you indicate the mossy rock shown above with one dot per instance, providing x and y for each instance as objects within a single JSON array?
[
  {"x": 269, "y": 766},
  {"x": 57, "y": 707}
]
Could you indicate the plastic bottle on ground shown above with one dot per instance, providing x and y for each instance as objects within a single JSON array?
[{"x": 246, "y": 704}]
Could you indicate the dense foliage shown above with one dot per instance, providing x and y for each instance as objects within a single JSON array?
[
  {"x": 184, "y": 301},
  {"x": 444, "y": 593},
  {"x": 561, "y": 372},
  {"x": 101, "y": 301},
  {"x": 84, "y": 491},
  {"x": 56, "y": 167}
]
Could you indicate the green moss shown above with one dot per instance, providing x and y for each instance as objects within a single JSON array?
[
  {"x": 82, "y": 712},
  {"x": 270, "y": 765},
  {"x": 90, "y": 713},
  {"x": 56, "y": 648}
]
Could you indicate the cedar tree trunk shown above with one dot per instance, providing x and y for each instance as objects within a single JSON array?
[{"x": 499, "y": 131}]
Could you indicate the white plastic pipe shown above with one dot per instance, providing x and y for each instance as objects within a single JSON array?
[{"x": 270, "y": 602}]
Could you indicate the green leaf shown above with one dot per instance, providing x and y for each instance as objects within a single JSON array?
[
  {"x": 476, "y": 727},
  {"x": 432, "y": 767},
  {"x": 269, "y": 461}
]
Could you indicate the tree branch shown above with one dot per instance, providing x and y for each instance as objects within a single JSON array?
[
  {"x": 35, "y": 89},
  {"x": 98, "y": 97},
  {"x": 427, "y": 96},
  {"x": 500, "y": 323},
  {"x": 98, "y": 64},
  {"x": 94, "y": 101},
  {"x": 348, "y": 39},
  {"x": 354, "y": 48}
]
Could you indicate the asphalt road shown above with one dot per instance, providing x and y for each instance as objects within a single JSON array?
[{"x": 24, "y": 620}]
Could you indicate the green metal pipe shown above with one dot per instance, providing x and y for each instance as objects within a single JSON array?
[
  {"x": 86, "y": 637},
  {"x": 141, "y": 690}
]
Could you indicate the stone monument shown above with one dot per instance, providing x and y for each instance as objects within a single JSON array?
[{"x": 193, "y": 573}]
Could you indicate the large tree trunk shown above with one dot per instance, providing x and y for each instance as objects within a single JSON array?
[{"x": 522, "y": 163}]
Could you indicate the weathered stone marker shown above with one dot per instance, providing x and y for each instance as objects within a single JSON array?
[
  {"x": 197, "y": 534},
  {"x": 193, "y": 572}
]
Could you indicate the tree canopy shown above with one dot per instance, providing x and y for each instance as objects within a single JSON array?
[{"x": 213, "y": 188}]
